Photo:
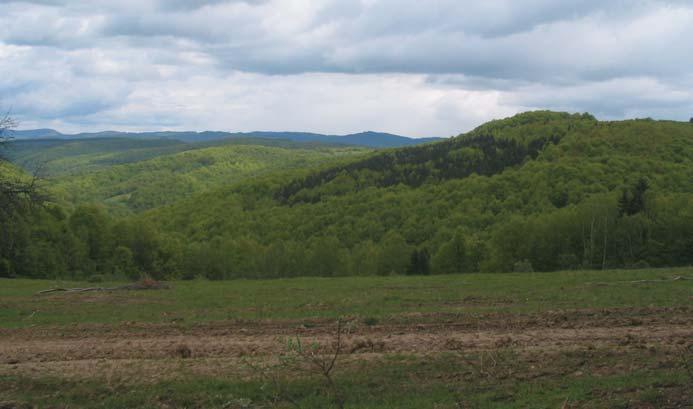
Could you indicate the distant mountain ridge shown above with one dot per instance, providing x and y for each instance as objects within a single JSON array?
[{"x": 369, "y": 138}]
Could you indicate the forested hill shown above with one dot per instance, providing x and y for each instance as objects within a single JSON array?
[
  {"x": 130, "y": 175},
  {"x": 487, "y": 150},
  {"x": 539, "y": 191},
  {"x": 368, "y": 139}
]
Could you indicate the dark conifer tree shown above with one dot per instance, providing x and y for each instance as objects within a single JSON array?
[
  {"x": 420, "y": 263},
  {"x": 633, "y": 202}
]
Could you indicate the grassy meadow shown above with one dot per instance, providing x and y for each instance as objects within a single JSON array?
[
  {"x": 377, "y": 297},
  {"x": 572, "y": 339}
]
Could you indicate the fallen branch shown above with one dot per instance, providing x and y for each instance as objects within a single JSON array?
[
  {"x": 675, "y": 278},
  {"x": 127, "y": 287},
  {"x": 666, "y": 280}
]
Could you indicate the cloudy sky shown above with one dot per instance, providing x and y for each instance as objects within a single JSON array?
[{"x": 413, "y": 67}]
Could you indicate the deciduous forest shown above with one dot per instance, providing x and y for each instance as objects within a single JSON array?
[{"x": 540, "y": 191}]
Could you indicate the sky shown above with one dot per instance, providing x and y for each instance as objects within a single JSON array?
[{"x": 412, "y": 67}]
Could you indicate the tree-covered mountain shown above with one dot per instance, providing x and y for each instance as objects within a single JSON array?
[
  {"x": 537, "y": 191},
  {"x": 369, "y": 138}
]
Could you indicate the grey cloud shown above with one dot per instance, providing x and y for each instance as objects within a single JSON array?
[
  {"x": 186, "y": 5},
  {"x": 474, "y": 82},
  {"x": 484, "y": 18},
  {"x": 43, "y": 84},
  {"x": 597, "y": 42},
  {"x": 51, "y": 102},
  {"x": 39, "y": 2},
  {"x": 528, "y": 40},
  {"x": 45, "y": 26},
  {"x": 206, "y": 26}
]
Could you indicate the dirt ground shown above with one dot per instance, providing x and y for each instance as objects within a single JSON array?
[{"x": 152, "y": 352}]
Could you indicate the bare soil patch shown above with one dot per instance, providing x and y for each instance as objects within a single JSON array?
[{"x": 155, "y": 351}]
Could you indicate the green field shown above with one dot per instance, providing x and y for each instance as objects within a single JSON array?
[
  {"x": 572, "y": 339},
  {"x": 307, "y": 298}
]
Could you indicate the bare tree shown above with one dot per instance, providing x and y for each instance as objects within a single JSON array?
[
  {"x": 14, "y": 192},
  {"x": 313, "y": 359},
  {"x": 323, "y": 361},
  {"x": 7, "y": 124}
]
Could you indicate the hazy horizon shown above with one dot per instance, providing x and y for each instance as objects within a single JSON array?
[
  {"x": 326, "y": 133},
  {"x": 24, "y": 129}
]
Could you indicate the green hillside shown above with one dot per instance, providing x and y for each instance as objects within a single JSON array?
[
  {"x": 540, "y": 191},
  {"x": 10, "y": 171},
  {"x": 134, "y": 175},
  {"x": 58, "y": 157}
]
